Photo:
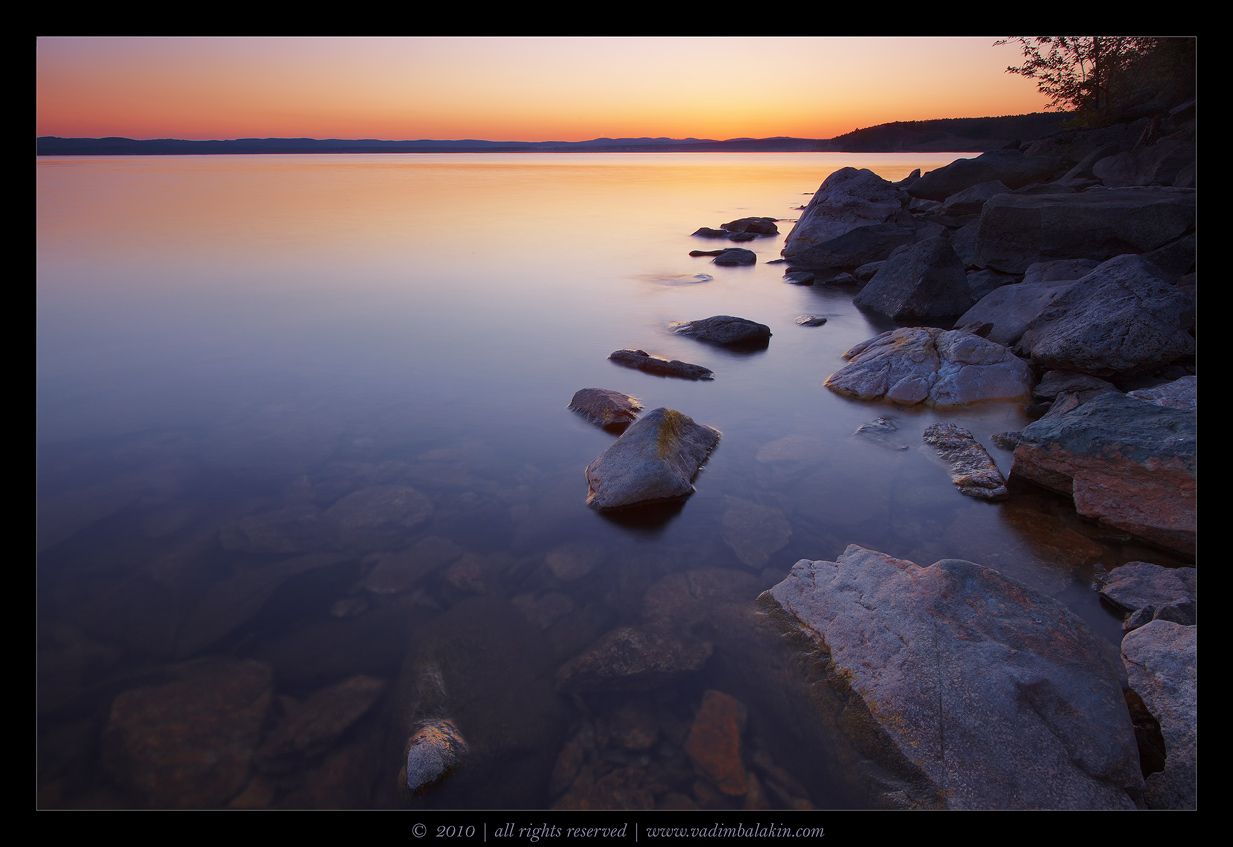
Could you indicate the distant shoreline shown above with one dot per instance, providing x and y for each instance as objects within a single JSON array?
[{"x": 943, "y": 135}]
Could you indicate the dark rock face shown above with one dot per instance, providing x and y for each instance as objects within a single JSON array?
[
  {"x": 981, "y": 692},
  {"x": 917, "y": 282},
  {"x": 726, "y": 330},
  {"x": 1010, "y": 167},
  {"x": 1018, "y": 230}
]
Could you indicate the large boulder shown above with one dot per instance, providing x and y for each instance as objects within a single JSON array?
[
  {"x": 981, "y": 693},
  {"x": 1162, "y": 667},
  {"x": 1122, "y": 318},
  {"x": 847, "y": 199},
  {"x": 1010, "y": 167},
  {"x": 919, "y": 281},
  {"x": 930, "y": 365},
  {"x": 1127, "y": 462},
  {"x": 655, "y": 460},
  {"x": 1017, "y": 230}
]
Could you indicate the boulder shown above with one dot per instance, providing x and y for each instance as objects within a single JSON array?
[
  {"x": 978, "y": 691},
  {"x": 1011, "y": 308},
  {"x": 930, "y": 365},
  {"x": 1161, "y": 660},
  {"x": 644, "y": 361},
  {"x": 917, "y": 282},
  {"x": 1017, "y": 230},
  {"x": 757, "y": 226},
  {"x": 611, "y": 410},
  {"x": 654, "y": 460},
  {"x": 972, "y": 469},
  {"x": 1010, "y": 167},
  {"x": 971, "y": 200},
  {"x": 1126, "y": 462},
  {"x": 1147, "y": 592},
  {"x": 725, "y": 330},
  {"x": 735, "y": 256},
  {"x": 1167, "y": 162},
  {"x": 848, "y": 199},
  {"x": 860, "y": 246},
  {"x": 1122, "y": 318}
]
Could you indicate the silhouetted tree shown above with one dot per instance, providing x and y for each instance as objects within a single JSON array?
[{"x": 1100, "y": 76}]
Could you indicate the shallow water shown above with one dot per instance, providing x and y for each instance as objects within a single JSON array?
[{"x": 228, "y": 346}]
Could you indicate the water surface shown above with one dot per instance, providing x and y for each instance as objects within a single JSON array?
[{"x": 228, "y": 346}]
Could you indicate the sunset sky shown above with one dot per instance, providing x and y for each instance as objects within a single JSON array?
[{"x": 516, "y": 88}]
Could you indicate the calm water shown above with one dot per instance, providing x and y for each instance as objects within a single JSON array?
[{"x": 228, "y": 346}]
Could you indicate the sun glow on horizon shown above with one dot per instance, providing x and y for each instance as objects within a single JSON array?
[{"x": 515, "y": 89}]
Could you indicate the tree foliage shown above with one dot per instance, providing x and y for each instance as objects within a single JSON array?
[{"x": 1100, "y": 77}]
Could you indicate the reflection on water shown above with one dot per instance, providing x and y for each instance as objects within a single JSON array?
[{"x": 303, "y": 443}]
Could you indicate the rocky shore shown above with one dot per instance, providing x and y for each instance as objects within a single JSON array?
[{"x": 1061, "y": 275}]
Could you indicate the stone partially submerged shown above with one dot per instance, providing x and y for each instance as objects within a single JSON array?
[
  {"x": 980, "y": 692},
  {"x": 611, "y": 410},
  {"x": 930, "y": 365},
  {"x": 1126, "y": 462},
  {"x": 972, "y": 469},
  {"x": 644, "y": 361},
  {"x": 725, "y": 330},
  {"x": 655, "y": 460}
]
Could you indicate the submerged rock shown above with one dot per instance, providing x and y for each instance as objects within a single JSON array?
[
  {"x": 654, "y": 460},
  {"x": 980, "y": 692},
  {"x": 644, "y": 361}
]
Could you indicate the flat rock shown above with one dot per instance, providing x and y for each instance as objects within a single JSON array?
[
  {"x": 989, "y": 694},
  {"x": 654, "y": 460},
  {"x": 633, "y": 659}
]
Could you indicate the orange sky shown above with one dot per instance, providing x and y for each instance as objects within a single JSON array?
[{"x": 516, "y": 88}]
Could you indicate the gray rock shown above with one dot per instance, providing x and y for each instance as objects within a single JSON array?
[
  {"x": 1016, "y": 230},
  {"x": 847, "y": 199},
  {"x": 726, "y": 330},
  {"x": 377, "y": 517},
  {"x": 611, "y": 410},
  {"x": 654, "y": 460},
  {"x": 735, "y": 256},
  {"x": 644, "y": 361},
  {"x": 1011, "y": 308},
  {"x": 1010, "y": 167},
  {"x": 434, "y": 751},
  {"x": 1156, "y": 590},
  {"x": 1162, "y": 668},
  {"x": 1181, "y": 393},
  {"x": 929, "y": 365},
  {"x": 918, "y": 281},
  {"x": 980, "y": 692},
  {"x": 1121, "y": 319},
  {"x": 972, "y": 469}
]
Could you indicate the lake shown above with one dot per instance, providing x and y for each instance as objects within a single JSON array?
[{"x": 230, "y": 347}]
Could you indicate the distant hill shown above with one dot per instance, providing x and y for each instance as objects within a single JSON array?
[
  {"x": 944, "y": 134},
  {"x": 948, "y": 134}
]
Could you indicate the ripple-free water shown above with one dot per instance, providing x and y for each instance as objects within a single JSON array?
[{"x": 222, "y": 339}]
